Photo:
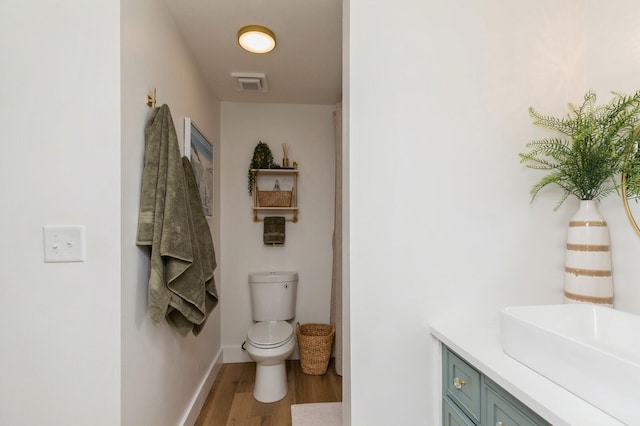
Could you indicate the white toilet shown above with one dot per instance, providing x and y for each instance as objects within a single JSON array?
[{"x": 271, "y": 339}]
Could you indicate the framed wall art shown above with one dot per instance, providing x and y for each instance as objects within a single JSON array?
[{"x": 200, "y": 152}]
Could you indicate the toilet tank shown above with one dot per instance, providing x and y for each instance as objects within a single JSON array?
[{"x": 273, "y": 295}]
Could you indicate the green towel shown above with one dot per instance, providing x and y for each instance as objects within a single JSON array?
[
  {"x": 273, "y": 231},
  {"x": 180, "y": 282},
  {"x": 204, "y": 254}
]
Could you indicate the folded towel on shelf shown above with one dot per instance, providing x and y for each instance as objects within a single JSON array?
[
  {"x": 273, "y": 230},
  {"x": 181, "y": 276}
]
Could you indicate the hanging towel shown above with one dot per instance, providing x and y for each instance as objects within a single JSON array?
[
  {"x": 203, "y": 251},
  {"x": 273, "y": 230},
  {"x": 178, "y": 281}
]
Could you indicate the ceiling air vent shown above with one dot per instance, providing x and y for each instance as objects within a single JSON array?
[{"x": 250, "y": 82}]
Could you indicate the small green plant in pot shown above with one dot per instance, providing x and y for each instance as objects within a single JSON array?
[
  {"x": 262, "y": 159},
  {"x": 589, "y": 163}
]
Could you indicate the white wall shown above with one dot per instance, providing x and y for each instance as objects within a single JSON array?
[
  {"x": 162, "y": 372},
  {"x": 440, "y": 220},
  {"x": 60, "y": 322},
  {"x": 309, "y": 132}
]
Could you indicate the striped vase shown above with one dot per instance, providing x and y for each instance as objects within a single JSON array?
[{"x": 587, "y": 276}]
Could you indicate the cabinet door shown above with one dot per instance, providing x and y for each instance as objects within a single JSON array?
[
  {"x": 462, "y": 383},
  {"x": 452, "y": 416},
  {"x": 502, "y": 409}
]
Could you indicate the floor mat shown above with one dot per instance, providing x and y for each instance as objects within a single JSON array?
[{"x": 317, "y": 414}]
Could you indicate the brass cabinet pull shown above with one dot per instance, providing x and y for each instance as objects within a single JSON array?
[{"x": 458, "y": 383}]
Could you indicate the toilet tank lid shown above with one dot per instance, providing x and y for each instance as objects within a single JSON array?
[{"x": 273, "y": 276}]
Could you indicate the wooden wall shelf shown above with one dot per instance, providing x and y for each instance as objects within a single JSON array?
[{"x": 291, "y": 212}]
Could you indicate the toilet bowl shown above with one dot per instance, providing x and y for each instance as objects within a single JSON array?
[{"x": 269, "y": 343}]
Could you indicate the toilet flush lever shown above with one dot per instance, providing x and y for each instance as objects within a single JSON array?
[{"x": 458, "y": 383}]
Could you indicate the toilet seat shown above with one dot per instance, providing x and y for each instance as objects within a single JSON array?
[{"x": 270, "y": 334}]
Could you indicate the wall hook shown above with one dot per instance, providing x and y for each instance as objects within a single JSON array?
[{"x": 151, "y": 99}]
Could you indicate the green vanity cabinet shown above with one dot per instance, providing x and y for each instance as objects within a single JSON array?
[
  {"x": 452, "y": 416},
  {"x": 503, "y": 409},
  {"x": 462, "y": 384},
  {"x": 472, "y": 399}
]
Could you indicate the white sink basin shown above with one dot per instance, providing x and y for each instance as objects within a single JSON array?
[{"x": 590, "y": 350}]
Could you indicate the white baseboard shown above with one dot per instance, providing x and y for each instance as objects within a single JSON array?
[
  {"x": 232, "y": 354},
  {"x": 191, "y": 415}
]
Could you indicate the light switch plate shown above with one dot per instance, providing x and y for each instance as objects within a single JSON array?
[{"x": 64, "y": 243}]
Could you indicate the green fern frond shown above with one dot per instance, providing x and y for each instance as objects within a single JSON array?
[{"x": 588, "y": 162}]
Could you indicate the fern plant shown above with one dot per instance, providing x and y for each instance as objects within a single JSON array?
[{"x": 590, "y": 159}]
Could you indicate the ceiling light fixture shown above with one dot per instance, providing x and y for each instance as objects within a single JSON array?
[{"x": 256, "y": 39}]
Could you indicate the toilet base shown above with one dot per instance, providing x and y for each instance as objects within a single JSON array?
[{"x": 271, "y": 382}]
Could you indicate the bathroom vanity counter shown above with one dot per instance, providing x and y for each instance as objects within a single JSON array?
[{"x": 478, "y": 342}]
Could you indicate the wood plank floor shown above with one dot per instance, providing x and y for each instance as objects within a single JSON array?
[{"x": 231, "y": 401}]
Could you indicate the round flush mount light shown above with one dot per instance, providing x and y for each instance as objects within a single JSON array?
[{"x": 256, "y": 39}]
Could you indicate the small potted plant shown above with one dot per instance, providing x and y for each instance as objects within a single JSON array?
[
  {"x": 262, "y": 159},
  {"x": 587, "y": 163}
]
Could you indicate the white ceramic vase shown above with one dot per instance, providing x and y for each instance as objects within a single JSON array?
[{"x": 588, "y": 277}]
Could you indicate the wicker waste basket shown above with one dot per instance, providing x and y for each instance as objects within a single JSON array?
[{"x": 315, "y": 342}]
